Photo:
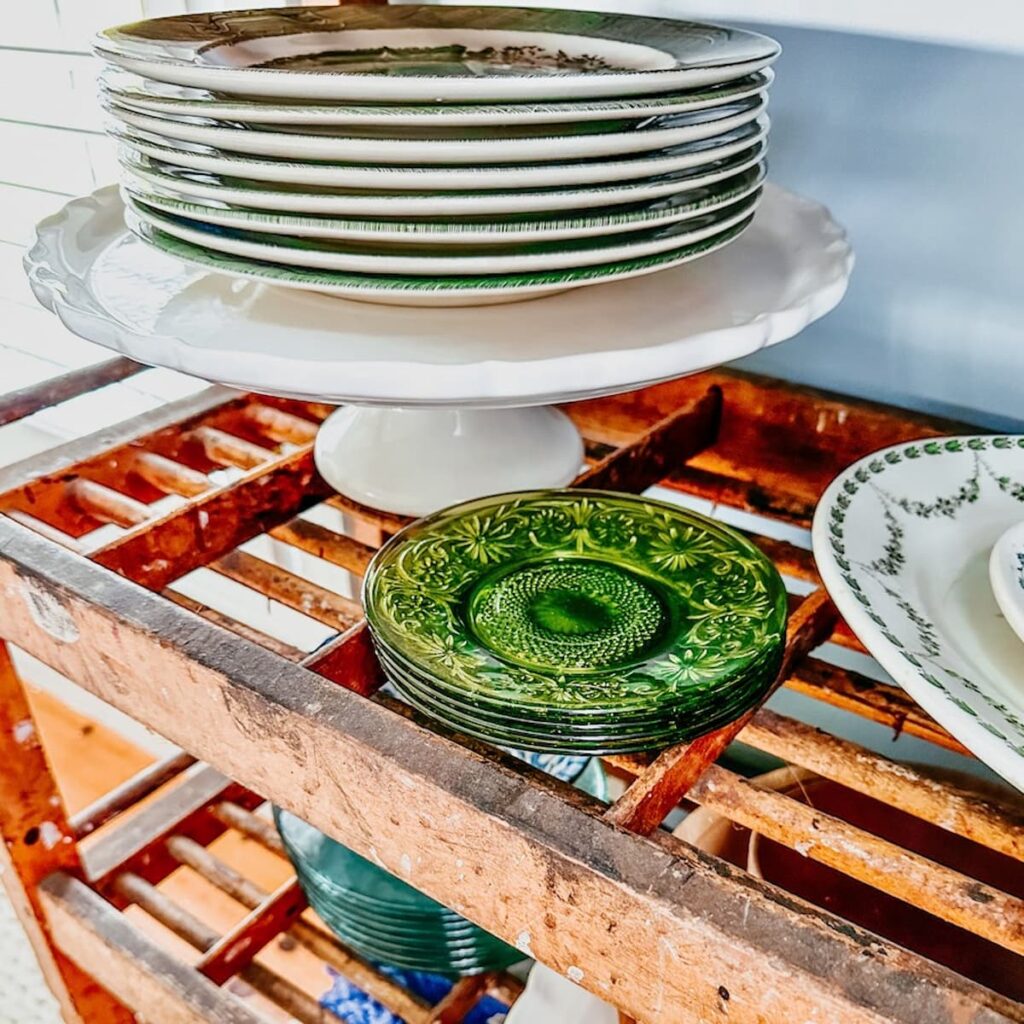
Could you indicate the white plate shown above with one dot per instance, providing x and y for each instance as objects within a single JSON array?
[
  {"x": 366, "y": 258},
  {"x": 789, "y": 268},
  {"x": 566, "y": 224},
  {"x": 308, "y": 144},
  {"x": 147, "y": 96},
  {"x": 1006, "y": 574},
  {"x": 489, "y": 53},
  {"x": 201, "y": 185},
  {"x": 902, "y": 540},
  {"x": 511, "y": 176}
]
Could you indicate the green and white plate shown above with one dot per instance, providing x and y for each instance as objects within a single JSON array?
[
  {"x": 195, "y": 185},
  {"x": 425, "y": 53},
  {"x": 148, "y": 96},
  {"x": 430, "y": 261},
  {"x": 571, "y": 224},
  {"x": 461, "y": 146},
  {"x": 1006, "y": 574},
  {"x": 451, "y": 178},
  {"x": 641, "y": 622},
  {"x": 395, "y": 289},
  {"x": 903, "y": 539}
]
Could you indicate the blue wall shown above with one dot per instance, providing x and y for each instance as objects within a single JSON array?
[{"x": 919, "y": 151}]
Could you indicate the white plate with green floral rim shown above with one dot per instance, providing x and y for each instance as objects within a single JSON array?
[
  {"x": 432, "y": 262},
  {"x": 448, "y": 178},
  {"x": 148, "y": 96},
  {"x": 425, "y": 53},
  {"x": 193, "y": 186},
  {"x": 1006, "y": 574},
  {"x": 902, "y": 540},
  {"x": 423, "y": 289},
  {"x": 491, "y": 146},
  {"x": 565, "y": 225}
]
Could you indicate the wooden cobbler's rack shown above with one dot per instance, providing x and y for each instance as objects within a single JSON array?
[{"x": 604, "y": 893}]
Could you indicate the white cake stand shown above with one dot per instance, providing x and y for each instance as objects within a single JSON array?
[{"x": 440, "y": 405}]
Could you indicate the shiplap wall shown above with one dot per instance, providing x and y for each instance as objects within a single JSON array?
[{"x": 52, "y": 147}]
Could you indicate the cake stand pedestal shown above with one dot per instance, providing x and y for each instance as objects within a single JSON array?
[{"x": 441, "y": 405}]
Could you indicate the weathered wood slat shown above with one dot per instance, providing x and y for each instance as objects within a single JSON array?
[
  {"x": 283, "y": 586},
  {"x": 26, "y": 401},
  {"x": 944, "y": 804},
  {"x": 941, "y": 891},
  {"x": 232, "y": 625},
  {"x": 880, "y": 702},
  {"x": 157, "y": 553},
  {"x": 129, "y": 793},
  {"x": 661, "y": 786},
  {"x": 101, "y": 941},
  {"x": 33, "y": 830},
  {"x": 648, "y": 923},
  {"x": 235, "y": 949},
  {"x": 136, "y": 845}
]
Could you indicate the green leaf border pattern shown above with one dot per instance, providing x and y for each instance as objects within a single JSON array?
[
  {"x": 928, "y": 660},
  {"x": 736, "y": 602}
]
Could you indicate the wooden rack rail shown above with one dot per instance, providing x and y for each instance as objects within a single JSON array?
[{"x": 96, "y": 536}]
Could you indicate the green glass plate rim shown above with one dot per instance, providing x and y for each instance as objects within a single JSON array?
[{"x": 430, "y": 638}]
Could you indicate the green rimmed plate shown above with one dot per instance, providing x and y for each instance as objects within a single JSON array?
[
  {"x": 566, "y": 736},
  {"x": 425, "y": 53},
  {"x": 577, "y": 601},
  {"x": 195, "y": 185},
  {"x": 449, "y": 146},
  {"x": 682, "y": 206},
  {"x": 430, "y": 261},
  {"x": 422, "y": 177},
  {"x": 392, "y": 289},
  {"x": 584, "y": 724},
  {"x": 148, "y": 95}
]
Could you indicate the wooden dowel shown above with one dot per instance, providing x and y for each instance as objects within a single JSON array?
[
  {"x": 199, "y": 935},
  {"x": 169, "y": 476},
  {"x": 106, "y": 504},
  {"x": 289, "y": 589},
  {"x": 879, "y": 702},
  {"x": 281, "y": 425},
  {"x": 932, "y": 887},
  {"x": 333, "y": 547},
  {"x": 251, "y": 825},
  {"x": 129, "y": 793},
  {"x": 228, "y": 450},
  {"x": 950, "y": 807}
]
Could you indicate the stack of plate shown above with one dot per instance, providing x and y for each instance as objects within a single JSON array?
[
  {"x": 576, "y": 621},
  {"x": 437, "y": 155},
  {"x": 387, "y": 920}
]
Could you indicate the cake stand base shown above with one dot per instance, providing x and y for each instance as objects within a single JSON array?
[{"x": 415, "y": 461}]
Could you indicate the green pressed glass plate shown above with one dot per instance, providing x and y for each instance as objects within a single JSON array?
[
  {"x": 566, "y": 737},
  {"x": 580, "y": 601},
  {"x": 583, "y": 721}
]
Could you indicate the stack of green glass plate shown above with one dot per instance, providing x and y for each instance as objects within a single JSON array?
[
  {"x": 387, "y": 920},
  {"x": 576, "y": 621}
]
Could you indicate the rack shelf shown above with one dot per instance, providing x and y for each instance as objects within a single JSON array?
[{"x": 95, "y": 536}]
